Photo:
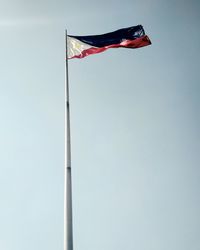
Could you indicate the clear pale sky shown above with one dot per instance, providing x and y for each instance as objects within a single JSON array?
[{"x": 134, "y": 119}]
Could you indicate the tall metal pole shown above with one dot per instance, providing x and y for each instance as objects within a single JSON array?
[{"x": 68, "y": 229}]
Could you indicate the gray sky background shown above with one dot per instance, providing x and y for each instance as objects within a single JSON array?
[{"x": 135, "y": 127}]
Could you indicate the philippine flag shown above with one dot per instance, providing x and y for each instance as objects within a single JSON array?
[{"x": 81, "y": 46}]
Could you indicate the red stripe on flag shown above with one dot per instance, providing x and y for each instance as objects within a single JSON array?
[{"x": 136, "y": 43}]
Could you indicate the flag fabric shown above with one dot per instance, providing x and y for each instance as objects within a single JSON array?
[{"x": 81, "y": 46}]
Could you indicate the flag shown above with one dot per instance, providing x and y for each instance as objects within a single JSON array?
[{"x": 81, "y": 46}]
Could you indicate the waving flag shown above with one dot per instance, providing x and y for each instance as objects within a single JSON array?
[{"x": 81, "y": 46}]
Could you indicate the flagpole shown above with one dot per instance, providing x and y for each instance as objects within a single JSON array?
[{"x": 68, "y": 229}]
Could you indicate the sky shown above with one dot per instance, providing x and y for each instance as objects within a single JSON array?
[{"x": 134, "y": 124}]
